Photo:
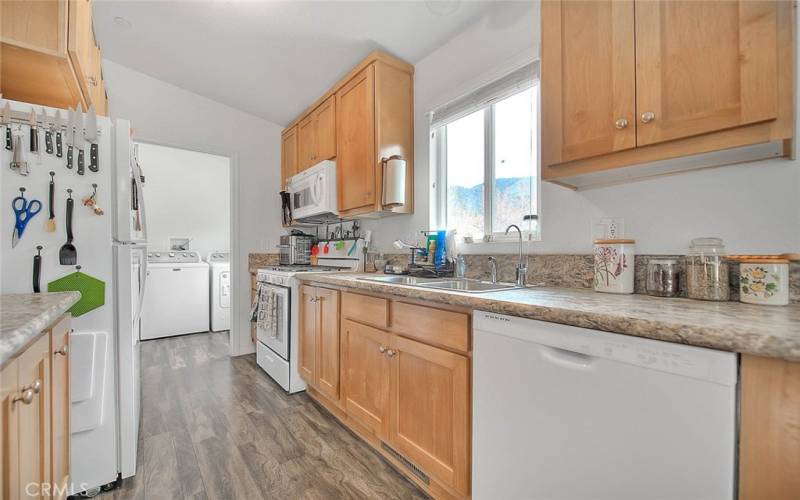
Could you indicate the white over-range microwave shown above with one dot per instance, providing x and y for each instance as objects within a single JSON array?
[{"x": 312, "y": 192}]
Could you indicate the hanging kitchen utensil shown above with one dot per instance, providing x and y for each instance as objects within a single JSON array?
[
  {"x": 24, "y": 211},
  {"x": 37, "y": 268},
  {"x": 57, "y": 126},
  {"x": 50, "y": 223},
  {"x": 91, "y": 202},
  {"x": 34, "y": 132},
  {"x": 48, "y": 127},
  {"x": 93, "y": 291},
  {"x": 68, "y": 255},
  {"x": 70, "y": 138},
  {"x": 79, "y": 139},
  {"x": 91, "y": 136},
  {"x": 18, "y": 162},
  {"x": 5, "y": 119}
]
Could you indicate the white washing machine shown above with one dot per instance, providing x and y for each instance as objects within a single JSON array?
[
  {"x": 219, "y": 264},
  {"x": 176, "y": 302}
]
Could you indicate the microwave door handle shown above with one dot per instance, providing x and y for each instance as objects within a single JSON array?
[{"x": 316, "y": 190}]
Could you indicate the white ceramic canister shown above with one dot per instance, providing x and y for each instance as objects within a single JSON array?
[
  {"x": 764, "y": 281},
  {"x": 613, "y": 265}
]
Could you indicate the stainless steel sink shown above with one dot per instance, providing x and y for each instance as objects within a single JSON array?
[
  {"x": 402, "y": 280},
  {"x": 469, "y": 286}
]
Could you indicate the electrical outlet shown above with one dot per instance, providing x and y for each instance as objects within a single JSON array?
[{"x": 608, "y": 228}]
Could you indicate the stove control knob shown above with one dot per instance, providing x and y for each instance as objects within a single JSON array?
[
  {"x": 171, "y": 254},
  {"x": 158, "y": 255},
  {"x": 186, "y": 255}
]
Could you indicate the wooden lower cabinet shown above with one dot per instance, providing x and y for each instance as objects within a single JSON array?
[
  {"x": 430, "y": 410},
  {"x": 319, "y": 339},
  {"x": 34, "y": 418},
  {"x": 403, "y": 388},
  {"x": 366, "y": 375}
]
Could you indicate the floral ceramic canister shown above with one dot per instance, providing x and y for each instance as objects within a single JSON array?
[
  {"x": 764, "y": 281},
  {"x": 613, "y": 265}
]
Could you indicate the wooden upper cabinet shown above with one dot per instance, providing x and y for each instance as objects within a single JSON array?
[
  {"x": 289, "y": 155},
  {"x": 356, "y": 161},
  {"x": 317, "y": 134},
  {"x": 704, "y": 66},
  {"x": 366, "y": 375},
  {"x": 588, "y": 77},
  {"x": 430, "y": 410},
  {"x": 81, "y": 42}
]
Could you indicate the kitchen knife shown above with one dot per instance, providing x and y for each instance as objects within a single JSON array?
[
  {"x": 79, "y": 141},
  {"x": 58, "y": 126},
  {"x": 48, "y": 132},
  {"x": 70, "y": 139},
  {"x": 91, "y": 136},
  {"x": 34, "y": 132},
  {"x": 5, "y": 118}
]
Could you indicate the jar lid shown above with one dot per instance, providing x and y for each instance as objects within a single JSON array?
[
  {"x": 614, "y": 242},
  {"x": 707, "y": 245},
  {"x": 760, "y": 259}
]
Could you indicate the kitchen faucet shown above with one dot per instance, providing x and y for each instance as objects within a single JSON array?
[
  {"x": 492, "y": 269},
  {"x": 522, "y": 269}
]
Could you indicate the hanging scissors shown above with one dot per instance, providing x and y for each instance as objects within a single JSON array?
[{"x": 24, "y": 210}]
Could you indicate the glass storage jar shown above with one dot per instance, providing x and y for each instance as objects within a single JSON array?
[{"x": 707, "y": 271}]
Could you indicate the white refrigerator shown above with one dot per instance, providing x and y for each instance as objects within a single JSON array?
[{"x": 112, "y": 247}]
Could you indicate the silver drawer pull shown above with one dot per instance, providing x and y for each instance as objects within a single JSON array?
[
  {"x": 391, "y": 353},
  {"x": 26, "y": 397},
  {"x": 381, "y": 349},
  {"x": 63, "y": 351}
]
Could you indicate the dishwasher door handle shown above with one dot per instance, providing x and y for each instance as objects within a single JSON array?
[{"x": 566, "y": 358}]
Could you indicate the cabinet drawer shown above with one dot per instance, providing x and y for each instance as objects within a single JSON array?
[
  {"x": 365, "y": 309},
  {"x": 434, "y": 326}
]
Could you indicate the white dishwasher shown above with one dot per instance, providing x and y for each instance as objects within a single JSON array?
[{"x": 566, "y": 413}]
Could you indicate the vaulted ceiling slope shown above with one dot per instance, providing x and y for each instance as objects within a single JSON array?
[{"x": 271, "y": 58}]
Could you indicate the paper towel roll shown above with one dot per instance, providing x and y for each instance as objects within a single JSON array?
[{"x": 394, "y": 181}]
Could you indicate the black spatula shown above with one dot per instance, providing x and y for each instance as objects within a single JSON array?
[{"x": 68, "y": 255}]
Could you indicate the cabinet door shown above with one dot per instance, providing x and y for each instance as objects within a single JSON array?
[
  {"x": 305, "y": 142},
  {"x": 34, "y": 418},
  {"x": 704, "y": 66},
  {"x": 38, "y": 25},
  {"x": 366, "y": 375},
  {"x": 288, "y": 155},
  {"x": 9, "y": 431},
  {"x": 328, "y": 342},
  {"x": 430, "y": 410},
  {"x": 588, "y": 81},
  {"x": 80, "y": 42},
  {"x": 308, "y": 334},
  {"x": 325, "y": 130},
  {"x": 60, "y": 431},
  {"x": 355, "y": 141}
]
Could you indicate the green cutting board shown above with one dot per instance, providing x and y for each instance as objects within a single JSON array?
[{"x": 93, "y": 291}]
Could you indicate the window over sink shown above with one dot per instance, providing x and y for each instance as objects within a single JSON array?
[{"x": 484, "y": 160}]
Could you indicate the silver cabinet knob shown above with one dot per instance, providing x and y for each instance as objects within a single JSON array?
[
  {"x": 26, "y": 397},
  {"x": 63, "y": 351},
  {"x": 621, "y": 123},
  {"x": 36, "y": 386},
  {"x": 648, "y": 116},
  {"x": 381, "y": 349},
  {"x": 391, "y": 353}
]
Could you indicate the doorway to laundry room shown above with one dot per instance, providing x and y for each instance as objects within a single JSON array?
[{"x": 189, "y": 287}]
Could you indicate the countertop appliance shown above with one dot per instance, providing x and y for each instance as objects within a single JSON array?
[
  {"x": 313, "y": 193},
  {"x": 295, "y": 249},
  {"x": 104, "y": 388},
  {"x": 277, "y": 346},
  {"x": 219, "y": 264},
  {"x": 561, "y": 412},
  {"x": 178, "y": 295}
]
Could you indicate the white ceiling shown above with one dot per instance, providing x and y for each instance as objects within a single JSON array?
[{"x": 271, "y": 58}]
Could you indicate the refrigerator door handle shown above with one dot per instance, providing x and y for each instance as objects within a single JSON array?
[
  {"x": 142, "y": 284},
  {"x": 137, "y": 178}
]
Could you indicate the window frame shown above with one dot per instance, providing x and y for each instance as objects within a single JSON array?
[{"x": 438, "y": 162}]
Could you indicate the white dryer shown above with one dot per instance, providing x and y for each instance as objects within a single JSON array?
[
  {"x": 176, "y": 302},
  {"x": 220, "y": 297}
]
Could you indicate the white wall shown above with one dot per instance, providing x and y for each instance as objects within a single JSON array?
[
  {"x": 164, "y": 114},
  {"x": 753, "y": 207},
  {"x": 187, "y": 195}
]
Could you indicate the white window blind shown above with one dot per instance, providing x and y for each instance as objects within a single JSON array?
[{"x": 516, "y": 81}]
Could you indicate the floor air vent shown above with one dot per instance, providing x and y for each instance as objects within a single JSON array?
[{"x": 413, "y": 468}]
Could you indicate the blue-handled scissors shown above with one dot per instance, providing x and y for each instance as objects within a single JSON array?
[{"x": 24, "y": 210}]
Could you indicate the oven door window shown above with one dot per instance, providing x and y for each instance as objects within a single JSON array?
[{"x": 276, "y": 334}]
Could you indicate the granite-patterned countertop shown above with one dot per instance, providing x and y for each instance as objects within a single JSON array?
[
  {"x": 24, "y": 316},
  {"x": 728, "y": 326}
]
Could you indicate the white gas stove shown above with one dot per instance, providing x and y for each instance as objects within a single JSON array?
[{"x": 278, "y": 340}]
